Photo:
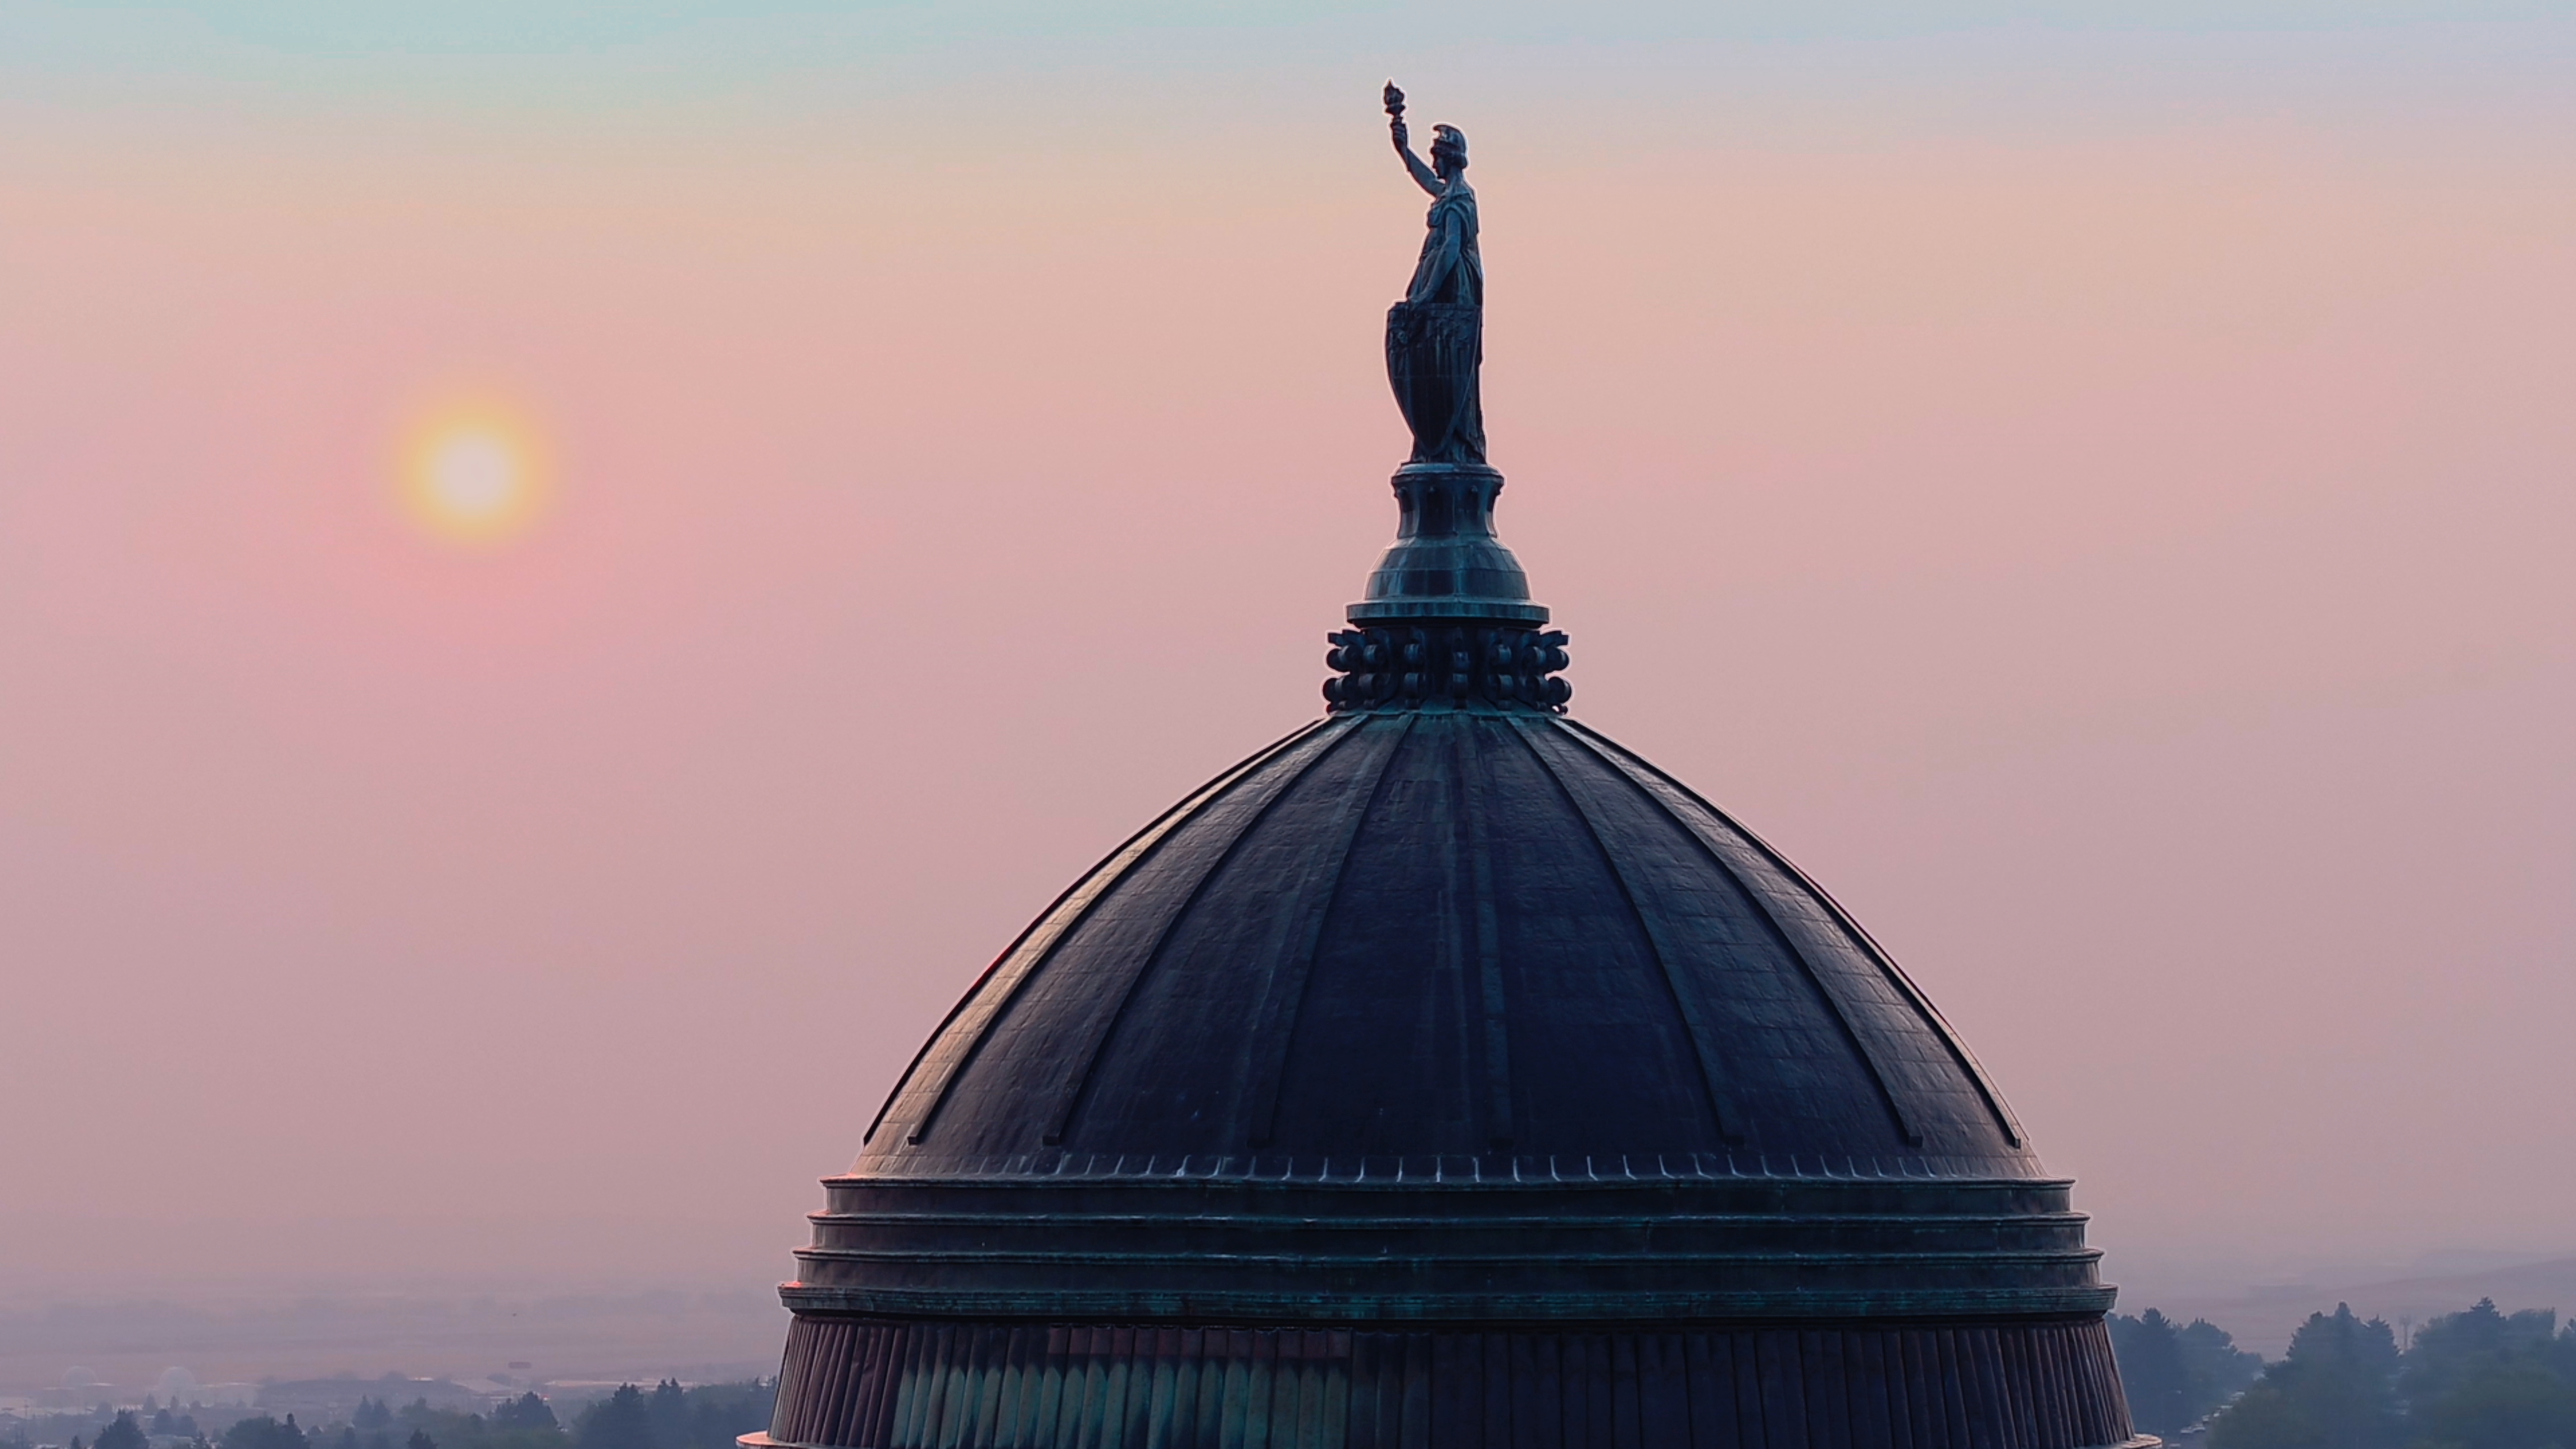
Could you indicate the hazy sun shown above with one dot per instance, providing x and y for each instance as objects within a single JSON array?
[{"x": 474, "y": 474}]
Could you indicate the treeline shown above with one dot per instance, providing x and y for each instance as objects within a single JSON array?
[
  {"x": 671, "y": 1417},
  {"x": 116, "y": 1428},
  {"x": 525, "y": 1423},
  {"x": 2474, "y": 1380},
  {"x": 120, "y": 1432},
  {"x": 710, "y": 1416},
  {"x": 2176, "y": 1376}
]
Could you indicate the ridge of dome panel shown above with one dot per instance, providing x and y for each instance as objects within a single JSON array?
[
  {"x": 1469, "y": 937},
  {"x": 1012, "y": 1093},
  {"x": 1222, "y": 992},
  {"x": 923, "y": 1091},
  {"x": 1931, "y": 1078},
  {"x": 1420, "y": 934},
  {"x": 1789, "y": 1071}
]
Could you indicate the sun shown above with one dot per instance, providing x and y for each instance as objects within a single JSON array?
[{"x": 474, "y": 473}]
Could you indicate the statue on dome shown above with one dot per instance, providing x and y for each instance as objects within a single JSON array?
[{"x": 1435, "y": 336}]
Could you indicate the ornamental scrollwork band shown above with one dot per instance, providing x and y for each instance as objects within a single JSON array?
[{"x": 1407, "y": 666}]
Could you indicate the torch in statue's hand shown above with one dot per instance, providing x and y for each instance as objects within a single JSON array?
[{"x": 1395, "y": 115}]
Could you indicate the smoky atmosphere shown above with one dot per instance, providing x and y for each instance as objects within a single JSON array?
[{"x": 786, "y": 725}]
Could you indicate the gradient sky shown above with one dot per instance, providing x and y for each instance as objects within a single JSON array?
[{"x": 2093, "y": 483}]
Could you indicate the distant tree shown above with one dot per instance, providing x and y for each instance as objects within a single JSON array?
[
  {"x": 524, "y": 1412},
  {"x": 373, "y": 1414},
  {"x": 2214, "y": 1368},
  {"x": 2151, "y": 1370},
  {"x": 713, "y": 1416},
  {"x": 2336, "y": 1389},
  {"x": 164, "y": 1422},
  {"x": 348, "y": 1438},
  {"x": 420, "y": 1440},
  {"x": 621, "y": 1421},
  {"x": 124, "y": 1433},
  {"x": 2343, "y": 1342},
  {"x": 513, "y": 1425},
  {"x": 668, "y": 1410},
  {"x": 2456, "y": 1347},
  {"x": 264, "y": 1432},
  {"x": 2509, "y": 1406}
]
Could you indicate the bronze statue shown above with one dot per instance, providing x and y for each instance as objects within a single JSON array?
[{"x": 1435, "y": 336}]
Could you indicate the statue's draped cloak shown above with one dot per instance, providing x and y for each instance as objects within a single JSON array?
[
  {"x": 1450, "y": 270},
  {"x": 1435, "y": 337}
]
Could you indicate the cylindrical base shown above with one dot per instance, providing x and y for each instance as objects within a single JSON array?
[
  {"x": 876, "y": 1383},
  {"x": 1446, "y": 565}
]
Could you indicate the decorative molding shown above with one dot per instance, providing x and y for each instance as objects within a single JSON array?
[{"x": 1409, "y": 666}]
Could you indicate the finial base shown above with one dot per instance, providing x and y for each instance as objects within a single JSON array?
[
  {"x": 1448, "y": 620},
  {"x": 1446, "y": 565}
]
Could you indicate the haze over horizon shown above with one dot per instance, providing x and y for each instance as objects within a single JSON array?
[{"x": 2090, "y": 483}]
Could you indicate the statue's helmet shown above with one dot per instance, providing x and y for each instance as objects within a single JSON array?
[{"x": 1451, "y": 141}]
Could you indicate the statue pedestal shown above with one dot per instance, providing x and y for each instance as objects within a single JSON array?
[{"x": 1446, "y": 564}]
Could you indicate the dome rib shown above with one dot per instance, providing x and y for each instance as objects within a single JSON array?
[
  {"x": 949, "y": 1051},
  {"x": 1493, "y": 1002},
  {"x": 1722, "y": 1109},
  {"x": 1661, "y": 787},
  {"x": 1283, "y": 926},
  {"x": 1835, "y": 1005},
  {"x": 1284, "y": 1000},
  {"x": 1053, "y": 1028},
  {"x": 1153, "y": 957}
]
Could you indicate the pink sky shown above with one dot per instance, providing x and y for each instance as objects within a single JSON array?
[{"x": 2110, "y": 524}]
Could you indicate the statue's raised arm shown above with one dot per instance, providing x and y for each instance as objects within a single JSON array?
[{"x": 1423, "y": 176}]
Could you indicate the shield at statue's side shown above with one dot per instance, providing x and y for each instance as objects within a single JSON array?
[{"x": 1432, "y": 352}]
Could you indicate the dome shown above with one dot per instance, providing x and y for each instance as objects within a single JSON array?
[
  {"x": 1442, "y": 1067},
  {"x": 1409, "y": 944},
  {"x": 1448, "y": 968},
  {"x": 1445, "y": 1074}
]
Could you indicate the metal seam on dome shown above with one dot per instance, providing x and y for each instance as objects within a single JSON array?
[
  {"x": 1158, "y": 822},
  {"x": 1721, "y": 1105},
  {"x": 1163, "y": 936},
  {"x": 1112, "y": 868},
  {"x": 1967, "y": 1061},
  {"x": 1922, "y": 1004},
  {"x": 1275, "y": 1028},
  {"x": 1834, "y": 1003},
  {"x": 1496, "y": 1006}
]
